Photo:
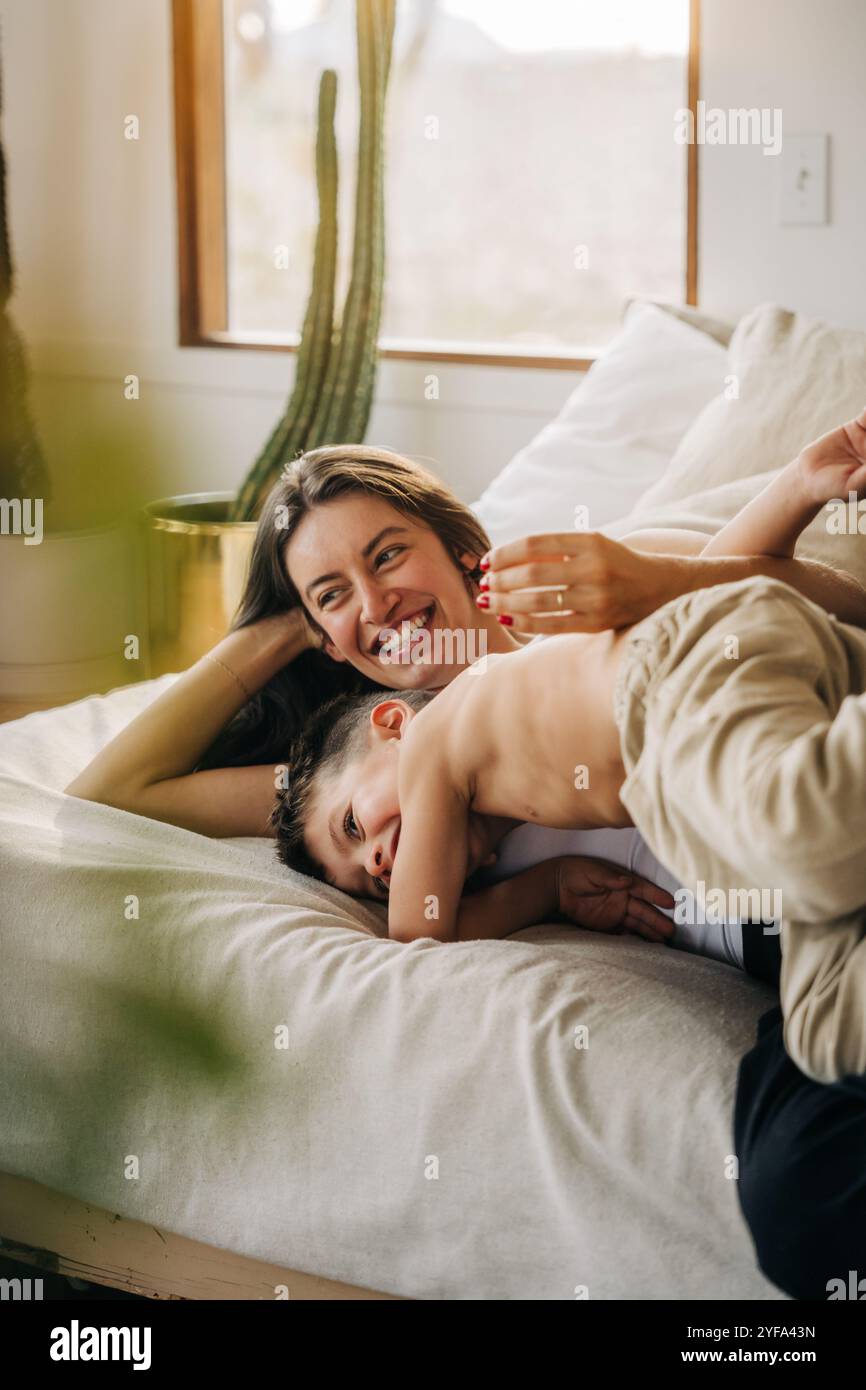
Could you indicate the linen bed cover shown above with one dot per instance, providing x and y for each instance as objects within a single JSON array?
[{"x": 195, "y": 1037}]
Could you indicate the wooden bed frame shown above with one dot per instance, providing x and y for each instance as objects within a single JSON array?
[{"x": 63, "y": 1235}]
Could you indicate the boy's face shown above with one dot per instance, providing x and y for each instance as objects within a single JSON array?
[
  {"x": 354, "y": 819},
  {"x": 353, "y": 823}
]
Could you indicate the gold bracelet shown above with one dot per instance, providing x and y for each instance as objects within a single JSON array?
[{"x": 210, "y": 657}]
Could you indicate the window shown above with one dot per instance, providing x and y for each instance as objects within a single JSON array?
[{"x": 533, "y": 181}]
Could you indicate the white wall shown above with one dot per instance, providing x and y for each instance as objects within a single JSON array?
[
  {"x": 94, "y": 236},
  {"x": 807, "y": 58}
]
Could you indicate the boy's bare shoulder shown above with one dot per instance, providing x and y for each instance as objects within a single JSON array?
[{"x": 443, "y": 735}]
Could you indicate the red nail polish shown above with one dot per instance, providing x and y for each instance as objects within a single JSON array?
[
  {"x": 506, "y": 619},
  {"x": 484, "y": 564},
  {"x": 483, "y": 600},
  {"x": 484, "y": 582}
]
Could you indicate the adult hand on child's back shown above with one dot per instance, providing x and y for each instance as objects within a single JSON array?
[
  {"x": 601, "y": 896},
  {"x": 572, "y": 581}
]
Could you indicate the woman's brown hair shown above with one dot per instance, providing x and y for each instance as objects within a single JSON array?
[{"x": 263, "y": 729}]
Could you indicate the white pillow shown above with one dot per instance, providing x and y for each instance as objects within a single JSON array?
[
  {"x": 616, "y": 433},
  {"x": 796, "y": 377}
]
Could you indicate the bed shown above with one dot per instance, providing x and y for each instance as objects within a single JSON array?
[
  {"x": 249, "y": 1063},
  {"x": 222, "y": 1080}
]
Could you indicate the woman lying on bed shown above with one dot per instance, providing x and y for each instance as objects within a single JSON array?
[{"x": 365, "y": 574}]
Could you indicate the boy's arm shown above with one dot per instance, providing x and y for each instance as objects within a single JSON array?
[
  {"x": 771, "y": 523},
  {"x": 432, "y": 856},
  {"x": 426, "y": 891},
  {"x": 592, "y": 893},
  {"x": 492, "y": 913},
  {"x": 830, "y": 467},
  {"x": 684, "y": 566},
  {"x": 761, "y": 538}
]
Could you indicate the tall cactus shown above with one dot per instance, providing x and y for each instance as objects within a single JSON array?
[
  {"x": 342, "y": 406},
  {"x": 333, "y": 392},
  {"x": 22, "y": 467},
  {"x": 355, "y": 427},
  {"x": 315, "y": 347}
]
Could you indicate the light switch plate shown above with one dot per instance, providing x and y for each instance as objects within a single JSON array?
[{"x": 803, "y": 171}]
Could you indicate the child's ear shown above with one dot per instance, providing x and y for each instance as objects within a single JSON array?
[{"x": 390, "y": 717}]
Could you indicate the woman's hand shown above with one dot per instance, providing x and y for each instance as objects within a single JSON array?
[
  {"x": 573, "y": 581},
  {"x": 835, "y": 464},
  {"x": 600, "y": 896},
  {"x": 289, "y": 628}
]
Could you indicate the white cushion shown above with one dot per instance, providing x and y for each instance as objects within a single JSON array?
[
  {"x": 791, "y": 378},
  {"x": 616, "y": 433}
]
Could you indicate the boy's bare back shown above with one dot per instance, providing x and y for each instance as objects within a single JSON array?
[{"x": 532, "y": 738}]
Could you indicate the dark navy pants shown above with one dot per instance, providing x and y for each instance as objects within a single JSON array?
[{"x": 802, "y": 1156}]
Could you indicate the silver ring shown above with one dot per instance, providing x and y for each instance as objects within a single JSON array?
[{"x": 559, "y": 599}]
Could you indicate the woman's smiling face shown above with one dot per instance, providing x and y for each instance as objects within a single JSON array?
[{"x": 375, "y": 581}]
